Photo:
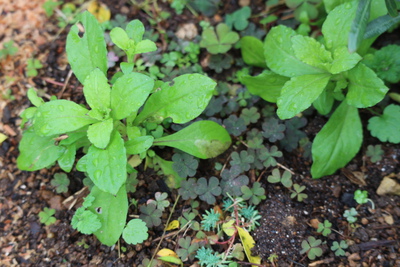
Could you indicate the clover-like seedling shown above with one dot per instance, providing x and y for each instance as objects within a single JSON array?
[
  {"x": 350, "y": 215},
  {"x": 135, "y": 232},
  {"x": 184, "y": 164},
  {"x": 250, "y": 115},
  {"x": 255, "y": 194},
  {"x": 325, "y": 228},
  {"x": 302, "y": 8},
  {"x": 187, "y": 189},
  {"x": 220, "y": 62},
  {"x": 339, "y": 248},
  {"x": 32, "y": 65},
  {"x": 60, "y": 182},
  {"x": 239, "y": 18},
  {"x": 9, "y": 49},
  {"x": 293, "y": 134},
  {"x": 311, "y": 247},
  {"x": 254, "y": 139},
  {"x": 285, "y": 179},
  {"x": 160, "y": 200},
  {"x": 297, "y": 192},
  {"x": 234, "y": 125},
  {"x": 150, "y": 263},
  {"x": 361, "y": 197},
  {"x": 150, "y": 214},
  {"x": 187, "y": 220},
  {"x": 219, "y": 40},
  {"x": 232, "y": 181},
  {"x": 208, "y": 190},
  {"x": 187, "y": 250},
  {"x": 374, "y": 153},
  {"x": 243, "y": 160},
  {"x": 267, "y": 156},
  {"x": 46, "y": 216},
  {"x": 273, "y": 130}
]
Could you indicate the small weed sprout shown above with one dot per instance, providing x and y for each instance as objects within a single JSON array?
[
  {"x": 361, "y": 197},
  {"x": 339, "y": 248},
  {"x": 350, "y": 215},
  {"x": 325, "y": 228},
  {"x": 311, "y": 247}
]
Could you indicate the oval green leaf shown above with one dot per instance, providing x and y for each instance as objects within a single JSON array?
[{"x": 97, "y": 90}]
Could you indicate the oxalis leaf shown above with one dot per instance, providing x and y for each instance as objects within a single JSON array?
[
  {"x": 89, "y": 52},
  {"x": 387, "y": 126},
  {"x": 59, "y": 117},
  {"x": 338, "y": 141},
  {"x": 112, "y": 211},
  {"x": 183, "y": 101},
  {"x": 107, "y": 167},
  {"x": 202, "y": 139}
]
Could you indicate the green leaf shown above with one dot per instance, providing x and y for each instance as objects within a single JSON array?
[
  {"x": 380, "y": 25},
  {"x": 46, "y": 216},
  {"x": 89, "y": 52},
  {"x": 387, "y": 126},
  {"x": 99, "y": 133},
  {"x": 267, "y": 85},
  {"x": 67, "y": 159},
  {"x": 337, "y": 25},
  {"x": 97, "y": 91},
  {"x": 85, "y": 221},
  {"x": 392, "y": 7},
  {"x": 129, "y": 93},
  {"x": 325, "y": 100},
  {"x": 338, "y": 141},
  {"x": 112, "y": 211},
  {"x": 343, "y": 60},
  {"x": 252, "y": 51},
  {"x": 299, "y": 93},
  {"x": 311, "y": 52},
  {"x": 60, "y": 116},
  {"x": 219, "y": 41},
  {"x": 359, "y": 25},
  {"x": 365, "y": 89},
  {"x": 183, "y": 101},
  {"x": 120, "y": 38},
  {"x": 139, "y": 144},
  {"x": 135, "y": 30},
  {"x": 37, "y": 152},
  {"x": 135, "y": 232},
  {"x": 145, "y": 46},
  {"x": 202, "y": 139},
  {"x": 33, "y": 97},
  {"x": 280, "y": 55},
  {"x": 107, "y": 167}
]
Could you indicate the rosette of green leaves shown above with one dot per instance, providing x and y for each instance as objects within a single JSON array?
[
  {"x": 305, "y": 71},
  {"x": 111, "y": 128}
]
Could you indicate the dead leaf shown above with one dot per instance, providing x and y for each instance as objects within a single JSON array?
[
  {"x": 354, "y": 177},
  {"x": 248, "y": 244},
  {"x": 100, "y": 11},
  {"x": 388, "y": 186}
]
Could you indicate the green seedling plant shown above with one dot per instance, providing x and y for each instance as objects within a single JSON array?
[
  {"x": 239, "y": 19},
  {"x": 350, "y": 215},
  {"x": 218, "y": 40},
  {"x": 60, "y": 182},
  {"x": 339, "y": 248},
  {"x": 374, "y": 153},
  {"x": 311, "y": 247},
  {"x": 32, "y": 65},
  {"x": 46, "y": 216},
  {"x": 304, "y": 9},
  {"x": 325, "y": 228},
  {"x": 297, "y": 192},
  {"x": 361, "y": 197},
  {"x": 8, "y": 50},
  {"x": 116, "y": 134},
  {"x": 305, "y": 72}
]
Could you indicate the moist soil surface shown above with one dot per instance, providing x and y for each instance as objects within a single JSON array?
[{"x": 285, "y": 223}]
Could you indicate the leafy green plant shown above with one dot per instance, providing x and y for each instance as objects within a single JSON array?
[
  {"x": 219, "y": 40},
  {"x": 234, "y": 125},
  {"x": 339, "y": 248},
  {"x": 187, "y": 250},
  {"x": 160, "y": 200},
  {"x": 208, "y": 190},
  {"x": 325, "y": 228},
  {"x": 184, "y": 164},
  {"x": 307, "y": 72},
  {"x": 179, "y": 5},
  {"x": 255, "y": 194},
  {"x": 304, "y": 8},
  {"x": 386, "y": 127},
  {"x": 220, "y": 62},
  {"x": 243, "y": 160},
  {"x": 60, "y": 182},
  {"x": 267, "y": 156},
  {"x": 32, "y": 66},
  {"x": 207, "y": 257},
  {"x": 114, "y": 129},
  {"x": 210, "y": 220},
  {"x": 297, "y": 192},
  {"x": 232, "y": 180},
  {"x": 250, "y": 115},
  {"x": 150, "y": 214},
  {"x": 273, "y": 130},
  {"x": 285, "y": 179},
  {"x": 135, "y": 232},
  {"x": 207, "y": 7},
  {"x": 46, "y": 216},
  {"x": 386, "y": 66},
  {"x": 361, "y": 197},
  {"x": 8, "y": 49},
  {"x": 350, "y": 215},
  {"x": 239, "y": 18},
  {"x": 311, "y": 247}
]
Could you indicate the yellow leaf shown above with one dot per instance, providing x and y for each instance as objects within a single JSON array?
[
  {"x": 173, "y": 225},
  {"x": 2, "y": 137},
  {"x": 100, "y": 11},
  {"x": 166, "y": 252},
  {"x": 228, "y": 227},
  {"x": 248, "y": 244}
]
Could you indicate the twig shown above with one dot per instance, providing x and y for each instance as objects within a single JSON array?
[
  {"x": 65, "y": 84},
  {"x": 286, "y": 168}
]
